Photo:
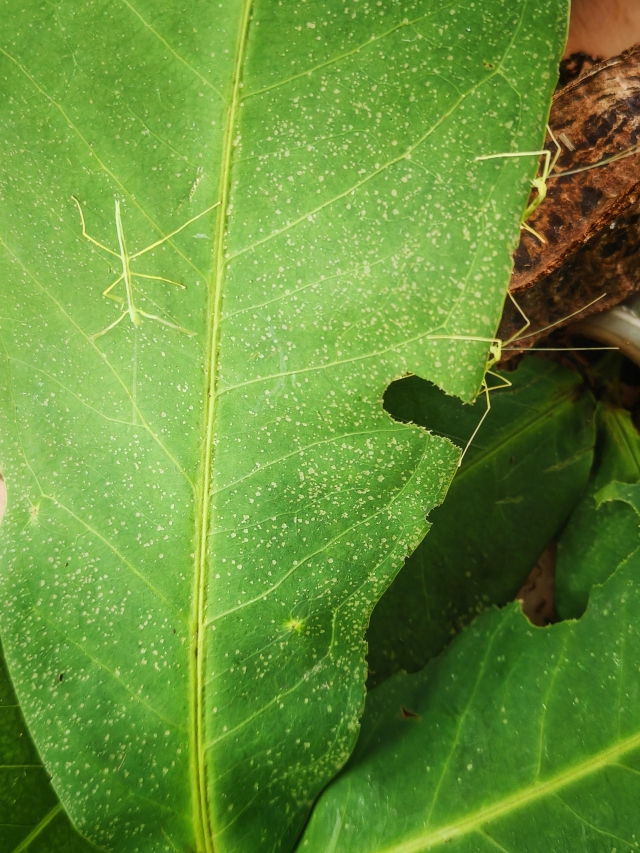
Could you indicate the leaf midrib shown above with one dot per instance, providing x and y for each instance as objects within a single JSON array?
[
  {"x": 519, "y": 800},
  {"x": 204, "y": 500}
]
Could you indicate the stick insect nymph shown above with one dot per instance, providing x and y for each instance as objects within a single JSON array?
[
  {"x": 497, "y": 346},
  {"x": 134, "y": 313},
  {"x": 540, "y": 182}
]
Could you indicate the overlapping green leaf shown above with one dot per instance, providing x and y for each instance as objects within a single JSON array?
[
  {"x": 605, "y": 527},
  {"x": 206, "y": 497},
  {"x": 515, "y": 739},
  {"x": 516, "y": 488}
]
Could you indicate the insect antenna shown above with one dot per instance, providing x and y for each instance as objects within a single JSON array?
[
  {"x": 621, "y": 155},
  {"x": 520, "y": 337}
]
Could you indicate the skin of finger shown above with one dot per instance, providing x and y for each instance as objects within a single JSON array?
[{"x": 603, "y": 28}]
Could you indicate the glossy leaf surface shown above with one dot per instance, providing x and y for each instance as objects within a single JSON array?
[
  {"x": 605, "y": 527},
  {"x": 206, "y": 497},
  {"x": 516, "y": 738},
  {"x": 518, "y": 483}
]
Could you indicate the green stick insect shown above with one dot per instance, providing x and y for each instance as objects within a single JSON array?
[
  {"x": 540, "y": 182},
  {"x": 498, "y": 346},
  {"x": 134, "y": 313}
]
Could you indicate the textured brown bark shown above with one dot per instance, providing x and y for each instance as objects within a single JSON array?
[{"x": 590, "y": 219}]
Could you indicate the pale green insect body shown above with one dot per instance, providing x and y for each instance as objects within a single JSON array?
[{"x": 134, "y": 313}]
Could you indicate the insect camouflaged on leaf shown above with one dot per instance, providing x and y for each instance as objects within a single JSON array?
[
  {"x": 496, "y": 348},
  {"x": 539, "y": 184},
  {"x": 128, "y": 275}
]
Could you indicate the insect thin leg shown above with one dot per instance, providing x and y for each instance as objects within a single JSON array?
[
  {"x": 556, "y": 156},
  {"x": 527, "y": 321},
  {"x": 557, "y": 322},
  {"x": 88, "y": 236},
  {"x": 108, "y": 329},
  {"x": 480, "y": 422},
  {"x": 172, "y": 234},
  {"x": 165, "y": 322},
  {"x": 635, "y": 149},
  {"x": 159, "y": 278},
  {"x": 533, "y": 230},
  {"x": 108, "y": 290},
  {"x": 506, "y": 383}
]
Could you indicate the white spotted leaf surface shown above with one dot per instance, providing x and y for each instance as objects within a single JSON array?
[{"x": 225, "y": 228}]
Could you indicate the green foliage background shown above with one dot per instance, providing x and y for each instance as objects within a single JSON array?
[
  {"x": 515, "y": 738},
  {"x": 207, "y": 498}
]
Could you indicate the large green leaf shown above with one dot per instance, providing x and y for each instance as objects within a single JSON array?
[
  {"x": 515, "y": 739},
  {"x": 516, "y": 488},
  {"x": 206, "y": 496},
  {"x": 604, "y": 529}
]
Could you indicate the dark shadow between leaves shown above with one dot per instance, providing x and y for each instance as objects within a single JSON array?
[{"x": 519, "y": 481}]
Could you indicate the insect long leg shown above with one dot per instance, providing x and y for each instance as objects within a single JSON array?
[
  {"x": 172, "y": 234},
  {"x": 158, "y": 278},
  {"x": 107, "y": 291},
  {"x": 485, "y": 389},
  {"x": 635, "y": 149},
  {"x": 88, "y": 236},
  {"x": 487, "y": 392},
  {"x": 540, "y": 153},
  {"x": 111, "y": 326},
  {"x": 460, "y": 338},
  {"x": 166, "y": 322},
  {"x": 506, "y": 383},
  {"x": 533, "y": 231},
  {"x": 527, "y": 322},
  {"x": 521, "y": 337}
]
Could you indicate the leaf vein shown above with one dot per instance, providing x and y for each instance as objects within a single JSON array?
[{"x": 173, "y": 52}]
